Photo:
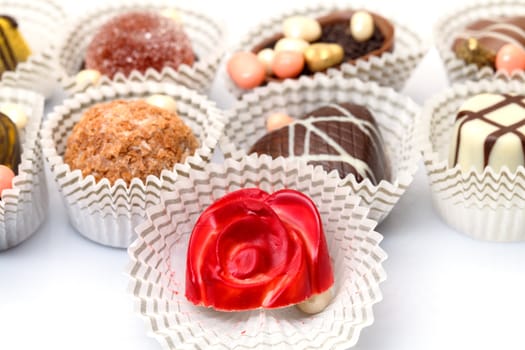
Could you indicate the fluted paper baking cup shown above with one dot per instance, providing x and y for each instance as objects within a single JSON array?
[
  {"x": 39, "y": 22},
  {"x": 23, "y": 208},
  {"x": 395, "y": 115},
  {"x": 206, "y": 35},
  {"x": 487, "y": 205},
  {"x": 390, "y": 69},
  {"x": 157, "y": 270},
  {"x": 451, "y": 24},
  {"x": 107, "y": 212}
]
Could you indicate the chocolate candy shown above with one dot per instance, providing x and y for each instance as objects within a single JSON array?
[
  {"x": 163, "y": 101},
  {"x": 138, "y": 41},
  {"x": 13, "y": 47},
  {"x": 302, "y": 27},
  {"x": 288, "y": 64},
  {"x": 246, "y": 70},
  {"x": 361, "y": 26},
  {"x": 510, "y": 58},
  {"x": 489, "y": 131},
  {"x": 343, "y": 137},
  {"x": 472, "y": 52},
  {"x": 321, "y": 56},
  {"x": 10, "y": 149}
]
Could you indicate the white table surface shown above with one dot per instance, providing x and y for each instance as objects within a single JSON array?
[{"x": 443, "y": 291}]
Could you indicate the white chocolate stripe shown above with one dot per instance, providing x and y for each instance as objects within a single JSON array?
[
  {"x": 481, "y": 34},
  {"x": 361, "y": 167},
  {"x": 508, "y": 27},
  {"x": 360, "y": 123}
]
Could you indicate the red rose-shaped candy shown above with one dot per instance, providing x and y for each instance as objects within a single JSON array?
[{"x": 253, "y": 249}]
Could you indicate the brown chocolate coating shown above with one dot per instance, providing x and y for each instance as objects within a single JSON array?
[
  {"x": 138, "y": 41},
  {"x": 126, "y": 139},
  {"x": 343, "y": 137}
]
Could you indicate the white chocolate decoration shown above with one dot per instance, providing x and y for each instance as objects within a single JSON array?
[
  {"x": 163, "y": 101},
  {"x": 316, "y": 303},
  {"x": 16, "y": 113},
  {"x": 361, "y": 26},
  {"x": 302, "y": 27},
  {"x": 489, "y": 131},
  {"x": 266, "y": 57},
  {"x": 289, "y": 44},
  {"x": 277, "y": 120},
  {"x": 172, "y": 14},
  {"x": 87, "y": 76}
]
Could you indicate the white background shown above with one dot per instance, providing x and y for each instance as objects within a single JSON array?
[{"x": 444, "y": 290}]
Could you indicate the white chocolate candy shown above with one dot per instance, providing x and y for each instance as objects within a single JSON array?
[
  {"x": 316, "y": 303},
  {"x": 266, "y": 57},
  {"x": 302, "y": 27},
  {"x": 361, "y": 26},
  {"x": 172, "y": 14},
  {"x": 489, "y": 131},
  {"x": 289, "y": 44},
  {"x": 87, "y": 76},
  {"x": 163, "y": 101},
  {"x": 16, "y": 113}
]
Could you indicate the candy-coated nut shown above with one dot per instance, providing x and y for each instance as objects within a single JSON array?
[
  {"x": 277, "y": 120},
  {"x": 288, "y": 64},
  {"x": 316, "y": 303},
  {"x": 163, "y": 101},
  {"x": 246, "y": 70},
  {"x": 87, "y": 76},
  {"x": 172, "y": 14},
  {"x": 510, "y": 58},
  {"x": 6, "y": 177},
  {"x": 321, "y": 56},
  {"x": 16, "y": 113},
  {"x": 289, "y": 44},
  {"x": 266, "y": 57},
  {"x": 361, "y": 26},
  {"x": 302, "y": 27}
]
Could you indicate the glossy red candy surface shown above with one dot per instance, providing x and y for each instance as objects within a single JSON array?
[{"x": 252, "y": 249}]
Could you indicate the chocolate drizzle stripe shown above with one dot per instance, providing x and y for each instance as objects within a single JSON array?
[
  {"x": 481, "y": 115},
  {"x": 9, "y": 51}
]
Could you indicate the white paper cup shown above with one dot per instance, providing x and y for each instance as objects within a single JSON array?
[
  {"x": 207, "y": 37},
  {"x": 39, "y": 22},
  {"x": 395, "y": 115},
  {"x": 390, "y": 69},
  {"x": 485, "y": 205},
  {"x": 451, "y": 24},
  {"x": 157, "y": 269},
  {"x": 107, "y": 212},
  {"x": 23, "y": 208}
]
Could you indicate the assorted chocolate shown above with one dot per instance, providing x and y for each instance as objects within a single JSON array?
[
  {"x": 136, "y": 41},
  {"x": 13, "y": 47},
  {"x": 129, "y": 139},
  {"x": 489, "y": 131},
  {"x": 342, "y": 137},
  {"x": 495, "y": 43},
  {"x": 308, "y": 45},
  {"x": 251, "y": 249}
]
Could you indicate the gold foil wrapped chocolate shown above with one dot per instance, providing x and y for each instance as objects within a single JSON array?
[
  {"x": 472, "y": 52},
  {"x": 10, "y": 149}
]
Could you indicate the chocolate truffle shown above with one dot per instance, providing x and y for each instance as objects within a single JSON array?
[
  {"x": 489, "y": 131},
  {"x": 480, "y": 41},
  {"x": 13, "y": 48},
  {"x": 138, "y": 41},
  {"x": 127, "y": 139},
  {"x": 344, "y": 137}
]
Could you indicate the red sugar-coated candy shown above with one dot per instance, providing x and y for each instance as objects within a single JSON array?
[
  {"x": 252, "y": 249},
  {"x": 510, "y": 58},
  {"x": 6, "y": 177},
  {"x": 138, "y": 41},
  {"x": 246, "y": 70},
  {"x": 288, "y": 64}
]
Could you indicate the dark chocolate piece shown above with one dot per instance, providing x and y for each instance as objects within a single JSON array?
[{"x": 343, "y": 137}]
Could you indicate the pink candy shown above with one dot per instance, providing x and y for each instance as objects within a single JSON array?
[
  {"x": 6, "y": 178},
  {"x": 510, "y": 58},
  {"x": 246, "y": 70},
  {"x": 288, "y": 64}
]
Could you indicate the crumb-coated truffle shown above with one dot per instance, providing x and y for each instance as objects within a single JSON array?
[
  {"x": 138, "y": 41},
  {"x": 126, "y": 139}
]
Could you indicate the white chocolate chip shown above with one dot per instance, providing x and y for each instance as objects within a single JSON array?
[
  {"x": 316, "y": 303},
  {"x": 266, "y": 56},
  {"x": 361, "y": 26},
  {"x": 302, "y": 27},
  {"x": 163, "y": 101},
  {"x": 289, "y": 44},
  {"x": 16, "y": 113},
  {"x": 87, "y": 77}
]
